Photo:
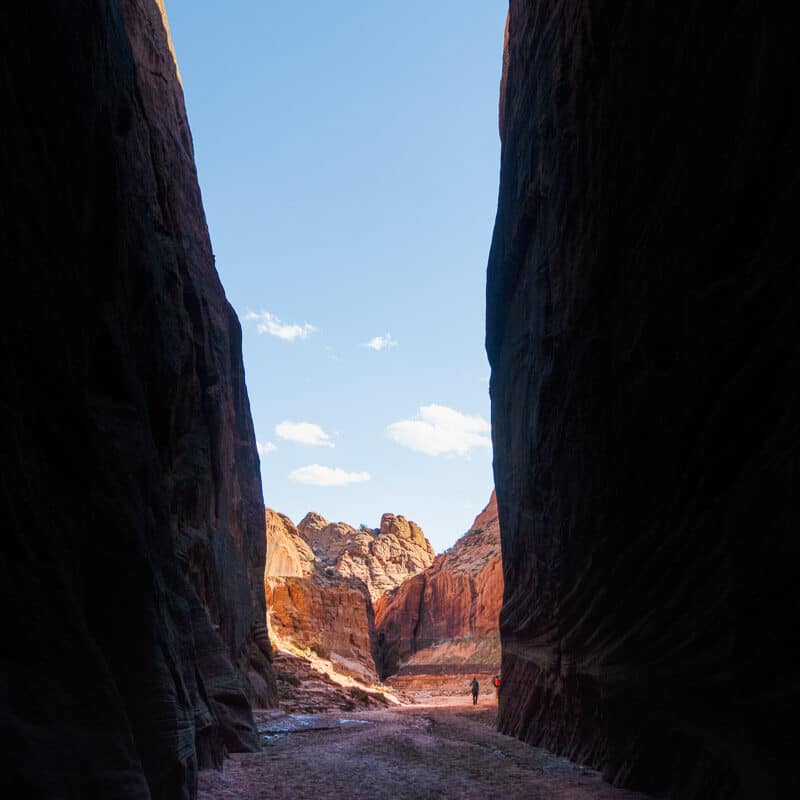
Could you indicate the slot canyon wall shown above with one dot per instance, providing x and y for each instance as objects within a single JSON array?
[
  {"x": 644, "y": 339},
  {"x": 134, "y": 639},
  {"x": 443, "y": 623}
]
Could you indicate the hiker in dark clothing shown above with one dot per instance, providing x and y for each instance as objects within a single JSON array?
[{"x": 475, "y": 686}]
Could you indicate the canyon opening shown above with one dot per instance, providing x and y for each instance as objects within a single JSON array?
[{"x": 465, "y": 484}]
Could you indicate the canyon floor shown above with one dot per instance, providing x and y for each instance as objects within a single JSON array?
[{"x": 440, "y": 748}]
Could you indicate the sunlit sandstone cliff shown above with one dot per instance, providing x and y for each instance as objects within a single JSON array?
[
  {"x": 320, "y": 579},
  {"x": 445, "y": 620},
  {"x": 130, "y": 500},
  {"x": 644, "y": 338},
  {"x": 288, "y": 553}
]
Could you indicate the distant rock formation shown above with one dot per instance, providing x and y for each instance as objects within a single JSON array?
[
  {"x": 321, "y": 577},
  {"x": 288, "y": 553},
  {"x": 382, "y": 557},
  {"x": 644, "y": 338},
  {"x": 330, "y": 616},
  {"x": 445, "y": 620},
  {"x": 131, "y": 508}
]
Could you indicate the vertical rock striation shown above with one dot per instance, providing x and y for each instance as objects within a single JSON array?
[
  {"x": 133, "y": 542},
  {"x": 643, "y": 333},
  {"x": 445, "y": 620}
]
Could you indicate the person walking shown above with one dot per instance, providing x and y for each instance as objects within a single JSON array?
[
  {"x": 475, "y": 687},
  {"x": 496, "y": 684}
]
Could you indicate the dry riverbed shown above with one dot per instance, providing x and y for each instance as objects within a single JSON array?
[{"x": 444, "y": 749}]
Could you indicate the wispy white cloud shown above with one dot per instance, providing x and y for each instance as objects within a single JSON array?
[
  {"x": 317, "y": 475},
  {"x": 381, "y": 342},
  {"x": 304, "y": 433},
  {"x": 269, "y": 323},
  {"x": 438, "y": 430},
  {"x": 265, "y": 448}
]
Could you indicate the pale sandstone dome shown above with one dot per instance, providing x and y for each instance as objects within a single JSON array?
[
  {"x": 288, "y": 554},
  {"x": 382, "y": 558}
]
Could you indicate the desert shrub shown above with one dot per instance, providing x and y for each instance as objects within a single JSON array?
[
  {"x": 357, "y": 693},
  {"x": 321, "y": 650}
]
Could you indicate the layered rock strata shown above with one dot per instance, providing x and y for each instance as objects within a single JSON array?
[
  {"x": 332, "y": 617},
  {"x": 304, "y": 686},
  {"x": 133, "y": 610},
  {"x": 644, "y": 339},
  {"x": 445, "y": 620}
]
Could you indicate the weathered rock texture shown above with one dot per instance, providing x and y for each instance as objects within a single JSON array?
[
  {"x": 381, "y": 557},
  {"x": 288, "y": 553},
  {"x": 306, "y": 687},
  {"x": 130, "y": 501},
  {"x": 445, "y": 620},
  {"x": 321, "y": 577},
  {"x": 331, "y": 616},
  {"x": 643, "y": 333}
]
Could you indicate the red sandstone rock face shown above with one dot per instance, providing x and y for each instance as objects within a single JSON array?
[
  {"x": 330, "y": 616},
  {"x": 447, "y": 616},
  {"x": 130, "y": 504},
  {"x": 381, "y": 558},
  {"x": 309, "y": 609},
  {"x": 644, "y": 338},
  {"x": 321, "y": 577}
]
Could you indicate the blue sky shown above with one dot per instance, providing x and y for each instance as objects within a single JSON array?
[{"x": 348, "y": 156}]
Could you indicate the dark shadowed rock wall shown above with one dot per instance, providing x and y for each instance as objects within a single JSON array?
[
  {"x": 644, "y": 337},
  {"x": 133, "y": 638}
]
